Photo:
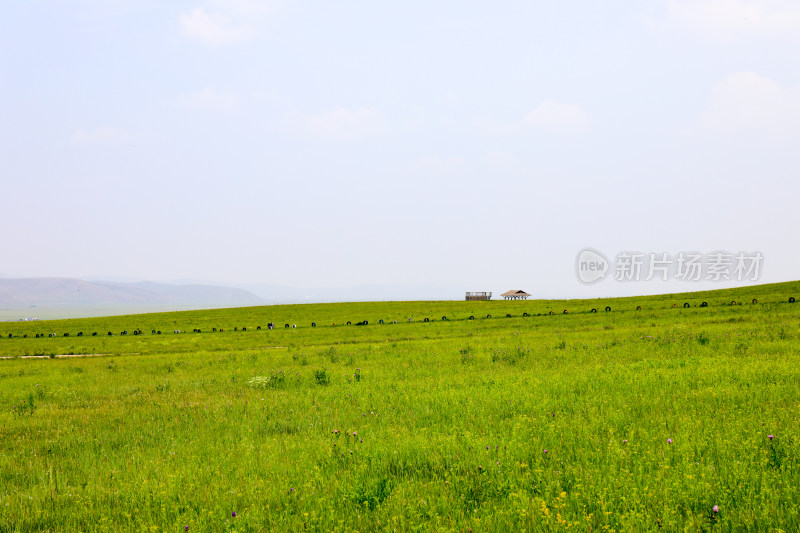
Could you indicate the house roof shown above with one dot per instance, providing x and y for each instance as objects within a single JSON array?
[{"x": 515, "y": 293}]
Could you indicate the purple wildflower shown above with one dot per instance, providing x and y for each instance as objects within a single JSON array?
[
  {"x": 770, "y": 437},
  {"x": 233, "y": 514},
  {"x": 715, "y": 508},
  {"x": 669, "y": 441},
  {"x": 545, "y": 452}
]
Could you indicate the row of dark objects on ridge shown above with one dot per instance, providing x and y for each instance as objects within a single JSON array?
[{"x": 271, "y": 325}]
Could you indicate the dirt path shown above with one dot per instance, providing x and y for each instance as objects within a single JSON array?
[{"x": 64, "y": 355}]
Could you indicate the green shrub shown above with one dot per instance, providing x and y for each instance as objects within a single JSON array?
[
  {"x": 272, "y": 381},
  {"x": 321, "y": 377}
]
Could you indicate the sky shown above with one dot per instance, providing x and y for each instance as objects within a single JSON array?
[{"x": 472, "y": 145}]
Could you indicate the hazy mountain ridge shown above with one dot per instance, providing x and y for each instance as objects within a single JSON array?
[{"x": 44, "y": 292}]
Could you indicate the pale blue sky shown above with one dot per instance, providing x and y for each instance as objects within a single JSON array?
[{"x": 328, "y": 144}]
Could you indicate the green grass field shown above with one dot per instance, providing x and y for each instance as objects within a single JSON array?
[{"x": 621, "y": 420}]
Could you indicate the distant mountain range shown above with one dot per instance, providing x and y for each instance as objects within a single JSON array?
[
  {"x": 67, "y": 292},
  {"x": 283, "y": 294},
  {"x": 279, "y": 294},
  {"x": 57, "y": 298}
]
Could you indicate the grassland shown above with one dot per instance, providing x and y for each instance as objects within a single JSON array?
[{"x": 610, "y": 420}]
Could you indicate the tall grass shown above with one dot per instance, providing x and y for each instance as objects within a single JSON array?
[{"x": 605, "y": 421}]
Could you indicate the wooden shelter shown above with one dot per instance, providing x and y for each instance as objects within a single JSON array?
[
  {"x": 515, "y": 295},
  {"x": 473, "y": 296}
]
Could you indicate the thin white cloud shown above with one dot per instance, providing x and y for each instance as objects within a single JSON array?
[
  {"x": 727, "y": 20},
  {"x": 439, "y": 166},
  {"x": 747, "y": 102},
  {"x": 104, "y": 135},
  {"x": 505, "y": 163},
  {"x": 553, "y": 117},
  {"x": 341, "y": 124},
  {"x": 208, "y": 99},
  {"x": 248, "y": 7},
  {"x": 492, "y": 127},
  {"x": 213, "y": 28}
]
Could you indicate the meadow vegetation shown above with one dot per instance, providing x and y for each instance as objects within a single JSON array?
[{"x": 673, "y": 417}]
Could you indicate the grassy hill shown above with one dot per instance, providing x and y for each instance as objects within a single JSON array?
[
  {"x": 610, "y": 420},
  {"x": 43, "y": 297},
  {"x": 337, "y": 315}
]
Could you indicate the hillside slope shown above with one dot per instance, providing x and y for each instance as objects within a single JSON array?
[{"x": 44, "y": 292}]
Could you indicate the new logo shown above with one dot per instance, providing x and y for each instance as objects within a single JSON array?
[{"x": 591, "y": 266}]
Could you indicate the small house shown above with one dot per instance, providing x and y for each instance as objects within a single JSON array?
[
  {"x": 515, "y": 295},
  {"x": 475, "y": 296}
]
